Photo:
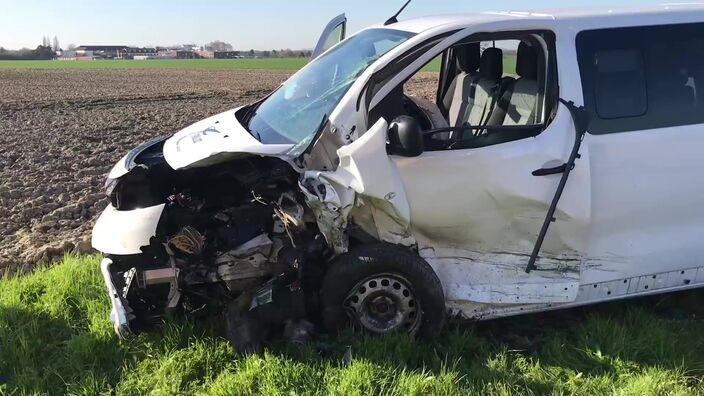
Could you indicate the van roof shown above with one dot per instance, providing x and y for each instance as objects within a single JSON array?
[{"x": 578, "y": 18}]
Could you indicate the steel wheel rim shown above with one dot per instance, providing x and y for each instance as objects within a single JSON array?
[{"x": 384, "y": 303}]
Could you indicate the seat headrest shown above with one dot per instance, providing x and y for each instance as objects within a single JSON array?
[
  {"x": 670, "y": 70},
  {"x": 468, "y": 57},
  {"x": 527, "y": 61},
  {"x": 491, "y": 65}
]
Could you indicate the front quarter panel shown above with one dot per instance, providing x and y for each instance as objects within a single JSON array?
[{"x": 367, "y": 179}]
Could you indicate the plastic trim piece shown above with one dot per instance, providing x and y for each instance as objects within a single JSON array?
[{"x": 118, "y": 313}]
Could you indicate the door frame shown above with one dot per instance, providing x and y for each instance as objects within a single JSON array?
[{"x": 340, "y": 20}]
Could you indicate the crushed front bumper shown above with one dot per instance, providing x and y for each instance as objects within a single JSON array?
[
  {"x": 136, "y": 295},
  {"x": 120, "y": 313}
]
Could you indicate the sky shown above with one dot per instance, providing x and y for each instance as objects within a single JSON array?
[{"x": 246, "y": 24}]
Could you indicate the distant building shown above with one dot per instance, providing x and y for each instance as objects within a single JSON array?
[
  {"x": 167, "y": 53},
  {"x": 227, "y": 55},
  {"x": 100, "y": 51},
  {"x": 204, "y": 54},
  {"x": 66, "y": 55},
  {"x": 186, "y": 54},
  {"x": 140, "y": 53},
  {"x": 190, "y": 47}
]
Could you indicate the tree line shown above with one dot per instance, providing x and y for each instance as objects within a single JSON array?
[
  {"x": 281, "y": 53},
  {"x": 218, "y": 45},
  {"x": 46, "y": 50},
  {"x": 40, "y": 53}
]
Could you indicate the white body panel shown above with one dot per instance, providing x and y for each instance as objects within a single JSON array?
[
  {"x": 125, "y": 232},
  {"x": 365, "y": 167},
  {"x": 648, "y": 203},
  {"x": 119, "y": 169}
]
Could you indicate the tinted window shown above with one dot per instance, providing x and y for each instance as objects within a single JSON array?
[
  {"x": 619, "y": 84},
  {"x": 643, "y": 77}
]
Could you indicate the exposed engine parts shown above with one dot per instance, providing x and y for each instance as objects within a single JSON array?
[
  {"x": 235, "y": 241},
  {"x": 188, "y": 240}
]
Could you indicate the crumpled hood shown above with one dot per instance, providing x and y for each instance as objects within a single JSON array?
[
  {"x": 127, "y": 163},
  {"x": 215, "y": 139}
]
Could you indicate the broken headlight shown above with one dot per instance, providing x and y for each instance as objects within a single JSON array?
[{"x": 110, "y": 185}]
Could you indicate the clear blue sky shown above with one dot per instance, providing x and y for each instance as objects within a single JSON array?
[{"x": 259, "y": 24}]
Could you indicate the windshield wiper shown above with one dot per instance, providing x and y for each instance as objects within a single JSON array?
[
  {"x": 321, "y": 126},
  {"x": 246, "y": 117},
  {"x": 248, "y": 114},
  {"x": 317, "y": 134},
  {"x": 255, "y": 134}
]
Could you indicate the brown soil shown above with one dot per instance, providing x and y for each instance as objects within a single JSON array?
[{"x": 62, "y": 130}]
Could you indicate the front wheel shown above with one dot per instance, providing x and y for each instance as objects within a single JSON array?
[{"x": 383, "y": 288}]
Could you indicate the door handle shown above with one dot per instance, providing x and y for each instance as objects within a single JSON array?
[{"x": 550, "y": 171}]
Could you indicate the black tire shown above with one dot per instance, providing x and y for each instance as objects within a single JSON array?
[{"x": 381, "y": 259}]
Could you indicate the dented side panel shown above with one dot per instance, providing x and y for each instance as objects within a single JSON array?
[
  {"x": 476, "y": 214},
  {"x": 499, "y": 277}
]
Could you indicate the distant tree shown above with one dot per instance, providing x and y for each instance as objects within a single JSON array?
[
  {"x": 44, "y": 52},
  {"x": 218, "y": 45},
  {"x": 251, "y": 53},
  {"x": 41, "y": 52},
  {"x": 45, "y": 41},
  {"x": 274, "y": 53},
  {"x": 266, "y": 54},
  {"x": 288, "y": 53},
  {"x": 71, "y": 47},
  {"x": 55, "y": 44},
  {"x": 301, "y": 54}
]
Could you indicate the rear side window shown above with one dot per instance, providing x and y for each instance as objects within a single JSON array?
[
  {"x": 643, "y": 77},
  {"x": 619, "y": 84}
]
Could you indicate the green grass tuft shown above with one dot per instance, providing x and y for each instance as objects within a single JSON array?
[{"x": 56, "y": 338}]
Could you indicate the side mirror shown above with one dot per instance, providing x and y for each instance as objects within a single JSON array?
[{"x": 405, "y": 137}]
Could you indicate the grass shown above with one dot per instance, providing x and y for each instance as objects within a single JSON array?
[
  {"x": 213, "y": 64},
  {"x": 259, "y": 63},
  {"x": 55, "y": 338}
]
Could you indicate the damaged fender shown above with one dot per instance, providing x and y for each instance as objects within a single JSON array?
[
  {"x": 125, "y": 232},
  {"x": 365, "y": 186}
]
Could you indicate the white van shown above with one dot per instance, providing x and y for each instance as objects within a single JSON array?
[{"x": 558, "y": 165}]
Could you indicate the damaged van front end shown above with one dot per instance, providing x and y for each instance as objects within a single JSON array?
[
  {"x": 341, "y": 198},
  {"x": 193, "y": 233},
  {"x": 252, "y": 233},
  {"x": 234, "y": 213}
]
